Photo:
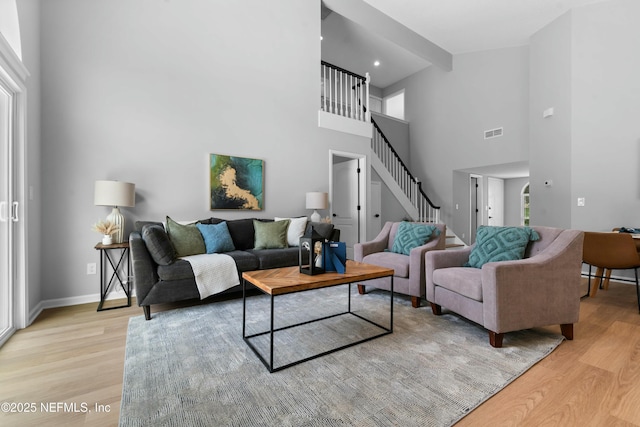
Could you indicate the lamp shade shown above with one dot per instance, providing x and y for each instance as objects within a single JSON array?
[
  {"x": 317, "y": 200},
  {"x": 114, "y": 193}
]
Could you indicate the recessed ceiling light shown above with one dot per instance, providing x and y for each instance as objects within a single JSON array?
[{"x": 377, "y": 63}]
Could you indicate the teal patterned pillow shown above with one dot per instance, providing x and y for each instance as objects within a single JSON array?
[
  {"x": 411, "y": 235},
  {"x": 500, "y": 244}
]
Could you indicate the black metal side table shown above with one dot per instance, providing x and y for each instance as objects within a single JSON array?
[{"x": 109, "y": 253}]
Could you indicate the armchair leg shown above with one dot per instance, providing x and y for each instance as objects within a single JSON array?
[
  {"x": 436, "y": 309},
  {"x": 567, "y": 330},
  {"x": 147, "y": 312},
  {"x": 360, "y": 289},
  {"x": 415, "y": 301},
  {"x": 495, "y": 339}
]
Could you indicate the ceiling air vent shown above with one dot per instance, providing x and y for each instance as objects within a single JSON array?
[{"x": 493, "y": 133}]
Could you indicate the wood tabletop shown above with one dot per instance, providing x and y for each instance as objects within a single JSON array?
[
  {"x": 122, "y": 245},
  {"x": 279, "y": 281}
]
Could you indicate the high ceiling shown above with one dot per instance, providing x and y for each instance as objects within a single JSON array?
[{"x": 458, "y": 26}]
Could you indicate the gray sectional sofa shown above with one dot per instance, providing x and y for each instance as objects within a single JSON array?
[{"x": 161, "y": 276}]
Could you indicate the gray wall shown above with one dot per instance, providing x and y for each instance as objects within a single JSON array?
[
  {"x": 606, "y": 115},
  {"x": 586, "y": 65},
  {"x": 550, "y": 146},
  {"x": 449, "y": 112},
  {"x": 29, "y": 18},
  {"x": 397, "y": 132},
  {"x": 145, "y": 91}
]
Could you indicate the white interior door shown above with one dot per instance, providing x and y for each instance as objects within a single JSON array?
[
  {"x": 495, "y": 201},
  {"x": 345, "y": 201}
]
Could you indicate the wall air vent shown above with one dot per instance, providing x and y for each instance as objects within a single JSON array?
[{"x": 493, "y": 133}]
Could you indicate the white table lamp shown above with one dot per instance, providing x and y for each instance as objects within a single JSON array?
[
  {"x": 115, "y": 193},
  {"x": 317, "y": 200}
]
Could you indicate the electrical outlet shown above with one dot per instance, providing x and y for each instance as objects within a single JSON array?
[
  {"x": 91, "y": 268},
  {"x": 580, "y": 201}
]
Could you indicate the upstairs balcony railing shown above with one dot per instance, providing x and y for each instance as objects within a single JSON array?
[{"x": 344, "y": 93}]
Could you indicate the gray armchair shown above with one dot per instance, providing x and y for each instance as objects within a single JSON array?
[
  {"x": 408, "y": 275},
  {"x": 541, "y": 289}
]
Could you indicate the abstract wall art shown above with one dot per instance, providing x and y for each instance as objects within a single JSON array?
[{"x": 236, "y": 182}]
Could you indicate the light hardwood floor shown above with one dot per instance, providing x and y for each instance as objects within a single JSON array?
[{"x": 75, "y": 355}]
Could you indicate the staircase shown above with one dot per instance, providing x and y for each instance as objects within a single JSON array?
[
  {"x": 396, "y": 175},
  {"x": 346, "y": 95},
  {"x": 405, "y": 187}
]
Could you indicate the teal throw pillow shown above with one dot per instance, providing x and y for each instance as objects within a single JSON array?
[
  {"x": 216, "y": 237},
  {"x": 270, "y": 235},
  {"x": 500, "y": 244},
  {"x": 411, "y": 235},
  {"x": 185, "y": 238}
]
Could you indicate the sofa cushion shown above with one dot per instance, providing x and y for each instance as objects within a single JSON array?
[
  {"x": 179, "y": 270},
  {"x": 500, "y": 244},
  {"x": 241, "y": 231},
  {"x": 158, "y": 244},
  {"x": 399, "y": 262},
  {"x": 296, "y": 229},
  {"x": 461, "y": 280},
  {"x": 245, "y": 261},
  {"x": 411, "y": 235},
  {"x": 139, "y": 225},
  {"x": 216, "y": 237},
  {"x": 186, "y": 239},
  {"x": 270, "y": 235},
  {"x": 276, "y": 258}
]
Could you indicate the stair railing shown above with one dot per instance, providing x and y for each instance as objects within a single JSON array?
[
  {"x": 341, "y": 92},
  {"x": 410, "y": 186}
]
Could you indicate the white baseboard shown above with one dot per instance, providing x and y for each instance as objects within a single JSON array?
[{"x": 83, "y": 299}]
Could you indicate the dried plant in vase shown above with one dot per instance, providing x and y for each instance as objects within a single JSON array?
[{"x": 106, "y": 228}]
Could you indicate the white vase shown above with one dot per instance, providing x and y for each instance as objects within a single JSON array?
[{"x": 106, "y": 239}]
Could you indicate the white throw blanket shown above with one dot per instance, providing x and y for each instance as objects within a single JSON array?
[{"x": 214, "y": 273}]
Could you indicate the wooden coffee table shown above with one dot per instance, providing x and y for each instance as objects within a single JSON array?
[{"x": 281, "y": 281}]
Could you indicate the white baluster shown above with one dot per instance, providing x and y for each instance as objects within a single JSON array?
[
  {"x": 351, "y": 98},
  {"x": 324, "y": 88},
  {"x": 367, "y": 115}
]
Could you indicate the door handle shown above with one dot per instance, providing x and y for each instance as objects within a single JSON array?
[
  {"x": 335, "y": 215},
  {"x": 14, "y": 212},
  {"x": 377, "y": 215}
]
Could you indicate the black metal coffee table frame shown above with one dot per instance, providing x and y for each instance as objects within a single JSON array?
[{"x": 269, "y": 363}]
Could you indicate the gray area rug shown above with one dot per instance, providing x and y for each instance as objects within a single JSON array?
[{"x": 191, "y": 367}]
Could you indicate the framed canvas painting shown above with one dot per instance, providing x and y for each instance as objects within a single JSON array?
[{"x": 236, "y": 183}]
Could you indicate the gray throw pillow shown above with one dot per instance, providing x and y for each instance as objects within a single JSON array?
[{"x": 158, "y": 244}]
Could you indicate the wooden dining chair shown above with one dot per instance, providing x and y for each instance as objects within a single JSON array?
[{"x": 606, "y": 252}]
